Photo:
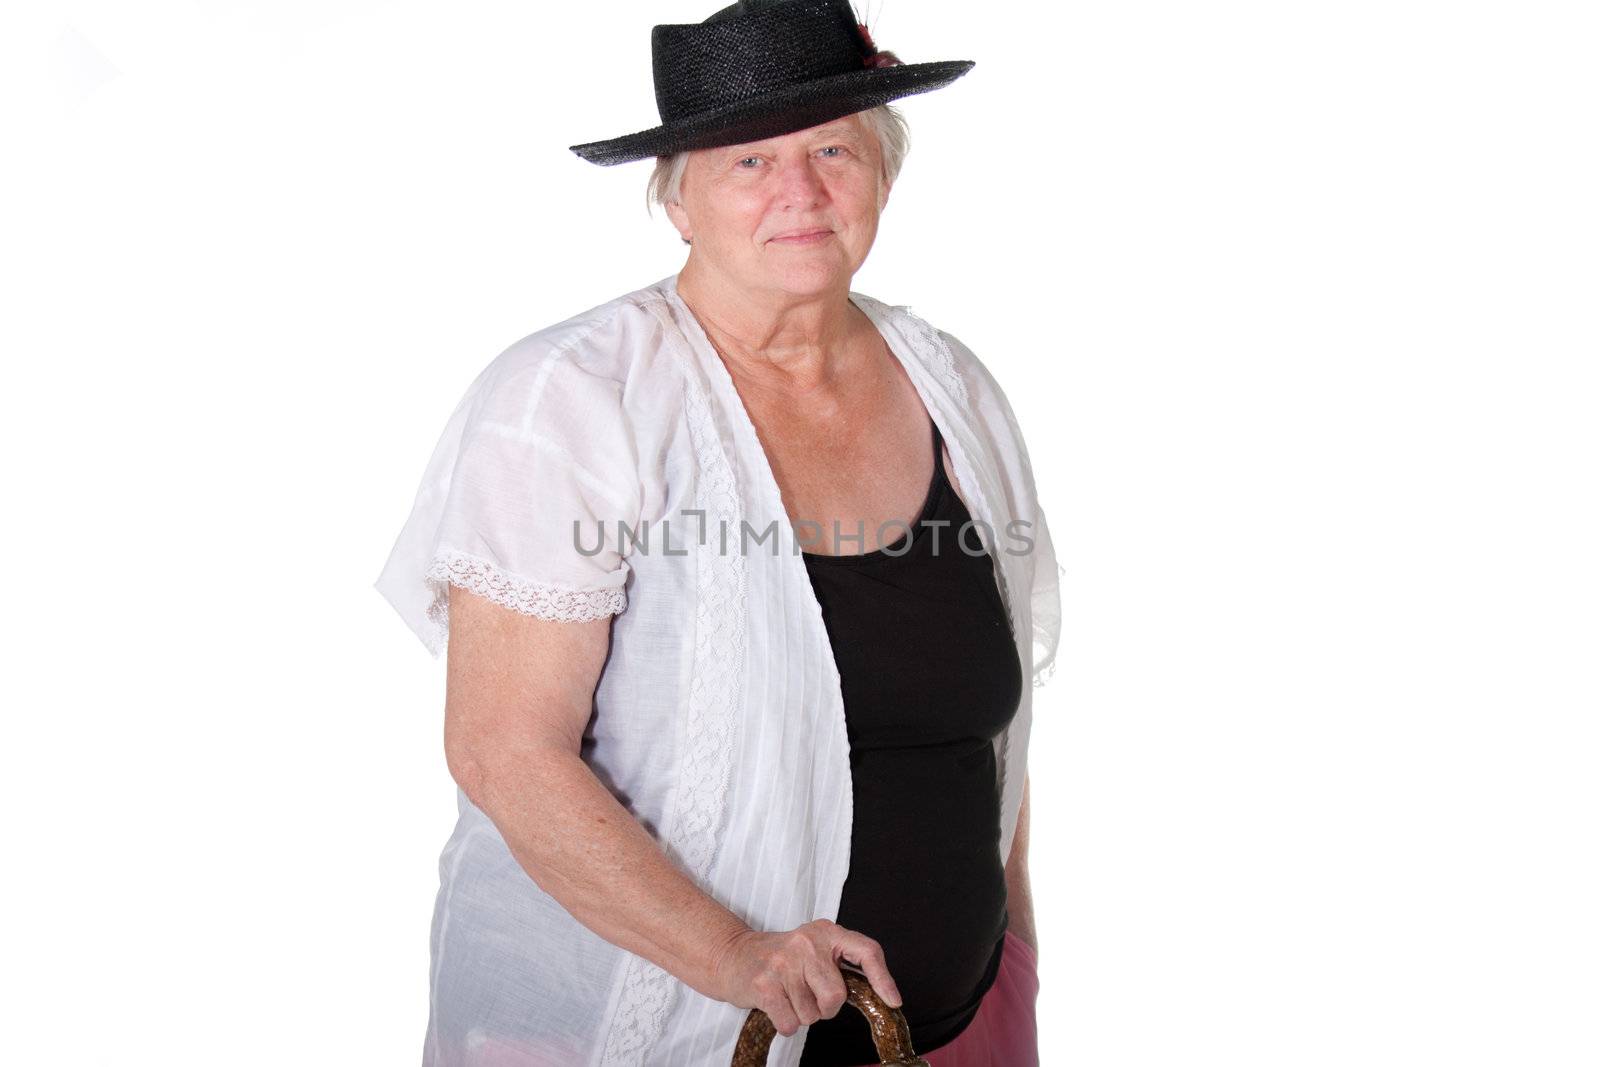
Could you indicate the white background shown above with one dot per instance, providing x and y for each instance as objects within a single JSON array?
[{"x": 1297, "y": 306}]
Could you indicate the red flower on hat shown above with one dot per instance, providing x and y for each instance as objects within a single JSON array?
[{"x": 875, "y": 58}]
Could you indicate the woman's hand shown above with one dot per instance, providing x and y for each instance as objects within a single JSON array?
[{"x": 794, "y": 976}]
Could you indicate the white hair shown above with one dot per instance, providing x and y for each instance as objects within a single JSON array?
[{"x": 894, "y": 140}]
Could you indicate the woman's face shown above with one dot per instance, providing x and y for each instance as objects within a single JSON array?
[{"x": 738, "y": 200}]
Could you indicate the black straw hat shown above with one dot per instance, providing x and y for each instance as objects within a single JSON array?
[{"x": 763, "y": 68}]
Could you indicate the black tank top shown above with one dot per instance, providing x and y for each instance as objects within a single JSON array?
[{"x": 930, "y": 676}]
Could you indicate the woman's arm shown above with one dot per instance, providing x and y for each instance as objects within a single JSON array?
[
  {"x": 519, "y": 693},
  {"x": 1019, "y": 895}
]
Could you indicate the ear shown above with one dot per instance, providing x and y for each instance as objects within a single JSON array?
[{"x": 680, "y": 219}]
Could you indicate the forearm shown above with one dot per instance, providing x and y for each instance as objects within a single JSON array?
[
  {"x": 1019, "y": 893},
  {"x": 1019, "y": 904},
  {"x": 573, "y": 838}
]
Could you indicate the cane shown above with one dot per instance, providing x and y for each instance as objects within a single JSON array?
[{"x": 890, "y": 1034}]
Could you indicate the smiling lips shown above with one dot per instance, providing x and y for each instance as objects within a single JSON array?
[{"x": 805, "y": 237}]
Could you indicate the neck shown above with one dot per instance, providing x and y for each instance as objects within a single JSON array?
[{"x": 768, "y": 331}]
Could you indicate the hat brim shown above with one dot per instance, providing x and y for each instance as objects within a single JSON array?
[{"x": 785, "y": 111}]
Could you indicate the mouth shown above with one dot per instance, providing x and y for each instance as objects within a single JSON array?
[{"x": 804, "y": 238}]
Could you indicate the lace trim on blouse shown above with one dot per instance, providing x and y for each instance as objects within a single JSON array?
[
  {"x": 715, "y": 696},
  {"x": 931, "y": 340},
  {"x": 553, "y": 602}
]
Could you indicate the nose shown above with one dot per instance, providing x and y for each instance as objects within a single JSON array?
[{"x": 801, "y": 184}]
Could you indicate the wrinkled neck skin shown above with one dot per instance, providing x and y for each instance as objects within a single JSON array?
[{"x": 791, "y": 340}]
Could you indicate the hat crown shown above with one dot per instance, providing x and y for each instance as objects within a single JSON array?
[
  {"x": 749, "y": 49},
  {"x": 743, "y": 7}
]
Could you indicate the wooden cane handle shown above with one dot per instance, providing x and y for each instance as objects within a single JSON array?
[{"x": 890, "y": 1034}]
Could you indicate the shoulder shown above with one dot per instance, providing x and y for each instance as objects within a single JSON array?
[
  {"x": 963, "y": 372},
  {"x": 605, "y": 351},
  {"x": 969, "y": 380}
]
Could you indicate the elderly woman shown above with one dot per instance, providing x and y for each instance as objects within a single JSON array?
[{"x": 745, "y": 582}]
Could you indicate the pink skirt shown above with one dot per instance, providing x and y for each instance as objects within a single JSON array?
[{"x": 1005, "y": 1032}]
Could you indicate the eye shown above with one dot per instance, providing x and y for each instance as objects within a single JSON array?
[
  {"x": 741, "y": 163},
  {"x": 834, "y": 148}
]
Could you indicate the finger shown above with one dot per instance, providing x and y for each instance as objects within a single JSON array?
[
  {"x": 828, "y": 986},
  {"x": 867, "y": 954},
  {"x": 776, "y": 1005},
  {"x": 801, "y": 997}
]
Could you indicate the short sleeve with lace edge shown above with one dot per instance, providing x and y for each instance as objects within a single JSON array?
[{"x": 524, "y": 500}]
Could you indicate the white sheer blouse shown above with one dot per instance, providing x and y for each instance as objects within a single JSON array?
[{"x": 606, "y": 465}]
